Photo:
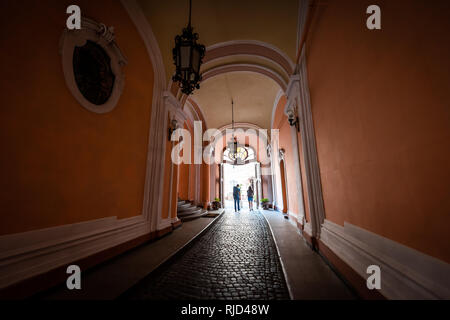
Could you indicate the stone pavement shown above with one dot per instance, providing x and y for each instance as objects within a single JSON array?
[{"x": 235, "y": 259}]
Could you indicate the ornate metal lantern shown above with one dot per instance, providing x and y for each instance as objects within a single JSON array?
[
  {"x": 188, "y": 57},
  {"x": 236, "y": 152}
]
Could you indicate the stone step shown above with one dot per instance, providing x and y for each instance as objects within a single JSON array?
[
  {"x": 180, "y": 202},
  {"x": 183, "y": 206},
  {"x": 190, "y": 208},
  {"x": 202, "y": 213},
  {"x": 189, "y": 213}
]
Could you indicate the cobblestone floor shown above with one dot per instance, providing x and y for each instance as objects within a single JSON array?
[{"x": 235, "y": 259}]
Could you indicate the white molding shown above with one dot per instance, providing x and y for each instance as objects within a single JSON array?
[
  {"x": 174, "y": 107},
  {"x": 164, "y": 223},
  {"x": 405, "y": 273},
  {"x": 299, "y": 99},
  {"x": 272, "y": 64},
  {"x": 303, "y": 11},
  {"x": 257, "y": 43},
  {"x": 212, "y": 181},
  {"x": 158, "y": 125},
  {"x": 308, "y": 229},
  {"x": 104, "y": 37},
  {"x": 290, "y": 107},
  {"x": 202, "y": 114},
  {"x": 149, "y": 38},
  {"x": 240, "y": 125},
  {"x": 244, "y": 126},
  {"x": 245, "y": 68},
  {"x": 294, "y": 219},
  {"x": 279, "y": 95},
  {"x": 28, "y": 254}
]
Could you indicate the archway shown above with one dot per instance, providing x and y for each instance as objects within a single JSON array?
[
  {"x": 242, "y": 170},
  {"x": 245, "y": 175}
]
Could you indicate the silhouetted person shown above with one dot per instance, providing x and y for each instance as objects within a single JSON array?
[
  {"x": 250, "y": 198},
  {"x": 237, "y": 198}
]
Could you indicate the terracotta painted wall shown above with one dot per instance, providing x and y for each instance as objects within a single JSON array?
[
  {"x": 380, "y": 103},
  {"x": 265, "y": 185},
  {"x": 174, "y": 191},
  {"x": 303, "y": 178},
  {"x": 60, "y": 163},
  {"x": 285, "y": 142},
  {"x": 168, "y": 176},
  {"x": 183, "y": 180},
  {"x": 205, "y": 184}
]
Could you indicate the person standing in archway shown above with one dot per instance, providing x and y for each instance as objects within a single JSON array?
[
  {"x": 250, "y": 194},
  {"x": 237, "y": 198}
]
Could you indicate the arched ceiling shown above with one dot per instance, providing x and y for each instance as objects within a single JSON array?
[
  {"x": 253, "y": 95},
  {"x": 269, "y": 21}
]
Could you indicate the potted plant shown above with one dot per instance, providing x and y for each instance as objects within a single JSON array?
[
  {"x": 265, "y": 203},
  {"x": 216, "y": 205}
]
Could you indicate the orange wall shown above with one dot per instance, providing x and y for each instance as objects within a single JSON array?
[
  {"x": 183, "y": 180},
  {"x": 174, "y": 192},
  {"x": 285, "y": 142},
  {"x": 303, "y": 177},
  {"x": 205, "y": 184},
  {"x": 168, "y": 174},
  {"x": 60, "y": 163},
  {"x": 380, "y": 102}
]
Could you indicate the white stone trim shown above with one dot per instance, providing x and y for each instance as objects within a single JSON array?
[
  {"x": 299, "y": 99},
  {"x": 245, "y": 68},
  {"x": 303, "y": 11},
  {"x": 158, "y": 125},
  {"x": 253, "y": 42},
  {"x": 308, "y": 229},
  {"x": 212, "y": 181},
  {"x": 296, "y": 158},
  {"x": 279, "y": 95},
  {"x": 244, "y": 126},
  {"x": 202, "y": 114},
  {"x": 294, "y": 219},
  {"x": 273, "y": 65},
  {"x": 405, "y": 273},
  {"x": 104, "y": 37},
  {"x": 174, "y": 106},
  {"x": 240, "y": 125},
  {"x": 146, "y": 32},
  {"x": 28, "y": 254},
  {"x": 165, "y": 223}
]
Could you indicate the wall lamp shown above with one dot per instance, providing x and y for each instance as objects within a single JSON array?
[
  {"x": 172, "y": 127},
  {"x": 293, "y": 120}
]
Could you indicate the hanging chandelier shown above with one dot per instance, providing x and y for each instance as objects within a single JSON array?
[
  {"x": 188, "y": 57},
  {"x": 236, "y": 152}
]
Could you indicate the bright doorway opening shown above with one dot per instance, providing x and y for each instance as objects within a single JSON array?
[{"x": 244, "y": 175}]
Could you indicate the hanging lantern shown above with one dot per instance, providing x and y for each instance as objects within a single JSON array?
[
  {"x": 236, "y": 152},
  {"x": 188, "y": 57}
]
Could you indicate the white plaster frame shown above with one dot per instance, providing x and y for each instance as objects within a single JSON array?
[
  {"x": 405, "y": 273},
  {"x": 103, "y": 36}
]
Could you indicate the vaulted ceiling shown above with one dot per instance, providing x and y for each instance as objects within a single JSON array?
[
  {"x": 253, "y": 96},
  {"x": 269, "y": 21}
]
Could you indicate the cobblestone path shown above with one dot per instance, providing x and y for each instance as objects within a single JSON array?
[{"x": 235, "y": 259}]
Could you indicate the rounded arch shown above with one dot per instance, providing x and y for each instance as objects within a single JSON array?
[
  {"x": 243, "y": 56},
  {"x": 249, "y": 48},
  {"x": 258, "y": 145},
  {"x": 197, "y": 110},
  {"x": 245, "y": 67}
]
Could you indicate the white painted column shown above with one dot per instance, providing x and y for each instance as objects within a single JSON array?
[
  {"x": 298, "y": 176},
  {"x": 298, "y": 94}
]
